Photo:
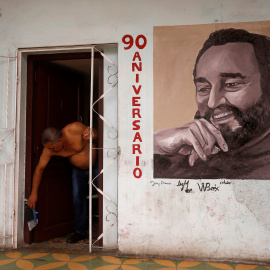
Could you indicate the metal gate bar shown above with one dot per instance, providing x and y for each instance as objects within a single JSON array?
[{"x": 92, "y": 104}]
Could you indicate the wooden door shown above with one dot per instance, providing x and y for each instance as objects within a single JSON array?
[{"x": 54, "y": 101}]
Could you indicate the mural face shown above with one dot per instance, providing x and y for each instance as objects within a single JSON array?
[
  {"x": 229, "y": 136},
  {"x": 227, "y": 87}
]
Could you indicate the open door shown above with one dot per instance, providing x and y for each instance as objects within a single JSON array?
[{"x": 56, "y": 96}]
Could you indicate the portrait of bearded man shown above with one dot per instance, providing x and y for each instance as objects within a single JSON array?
[{"x": 229, "y": 136}]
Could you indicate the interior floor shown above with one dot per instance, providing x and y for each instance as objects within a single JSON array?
[{"x": 59, "y": 244}]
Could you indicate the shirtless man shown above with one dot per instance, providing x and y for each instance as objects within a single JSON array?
[{"x": 71, "y": 142}]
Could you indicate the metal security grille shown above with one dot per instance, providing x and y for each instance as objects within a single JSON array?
[{"x": 112, "y": 152}]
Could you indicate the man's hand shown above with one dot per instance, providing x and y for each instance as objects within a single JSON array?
[
  {"x": 86, "y": 133},
  {"x": 196, "y": 139},
  {"x": 32, "y": 201}
]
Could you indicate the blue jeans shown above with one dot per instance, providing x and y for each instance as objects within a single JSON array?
[{"x": 80, "y": 192}]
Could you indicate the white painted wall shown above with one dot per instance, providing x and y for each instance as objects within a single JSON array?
[{"x": 231, "y": 224}]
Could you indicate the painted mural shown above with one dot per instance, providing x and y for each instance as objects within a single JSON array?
[{"x": 225, "y": 131}]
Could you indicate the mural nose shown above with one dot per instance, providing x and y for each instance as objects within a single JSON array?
[{"x": 216, "y": 98}]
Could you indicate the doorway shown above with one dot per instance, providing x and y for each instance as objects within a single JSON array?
[{"x": 58, "y": 93}]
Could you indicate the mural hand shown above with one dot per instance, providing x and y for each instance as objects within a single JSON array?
[
  {"x": 196, "y": 139},
  {"x": 194, "y": 156}
]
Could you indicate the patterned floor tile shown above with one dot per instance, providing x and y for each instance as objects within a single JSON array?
[
  {"x": 174, "y": 265},
  {"x": 217, "y": 266},
  {"x": 109, "y": 263},
  {"x": 191, "y": 265},
  {"x": 41, "y": 261}
]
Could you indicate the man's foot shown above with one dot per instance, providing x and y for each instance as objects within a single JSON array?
[{"x": 75, "y": 237}]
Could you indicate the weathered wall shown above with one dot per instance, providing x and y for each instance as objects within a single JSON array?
[{"x": 153, "y": 219}]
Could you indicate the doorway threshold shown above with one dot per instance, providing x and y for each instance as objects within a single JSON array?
[{"x": 59, "y": 245}]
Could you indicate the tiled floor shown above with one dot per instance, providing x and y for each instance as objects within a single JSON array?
[{"x": 60, "y": 261}]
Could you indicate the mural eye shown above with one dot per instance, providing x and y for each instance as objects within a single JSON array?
[
  {"x": 204, "y": 91},
  {"x": 232, "y": 84}
]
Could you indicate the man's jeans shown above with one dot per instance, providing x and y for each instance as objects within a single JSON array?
[{"x": 80, "y": 192}]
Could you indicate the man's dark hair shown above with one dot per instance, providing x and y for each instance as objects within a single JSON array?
[
  {"x": 261, "y": 46},
  {"x": 51, "y": 134}
]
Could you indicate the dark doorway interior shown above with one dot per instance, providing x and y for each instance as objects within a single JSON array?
[{"x": 58, "y": 93}]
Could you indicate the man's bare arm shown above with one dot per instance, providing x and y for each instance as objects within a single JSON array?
[{"x": 43, "y": 162}]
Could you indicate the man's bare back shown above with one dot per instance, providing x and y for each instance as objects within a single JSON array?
[{"x": 74, "y": 144}]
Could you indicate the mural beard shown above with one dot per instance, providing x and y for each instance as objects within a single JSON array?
[{"x": 253, "y": 123}]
